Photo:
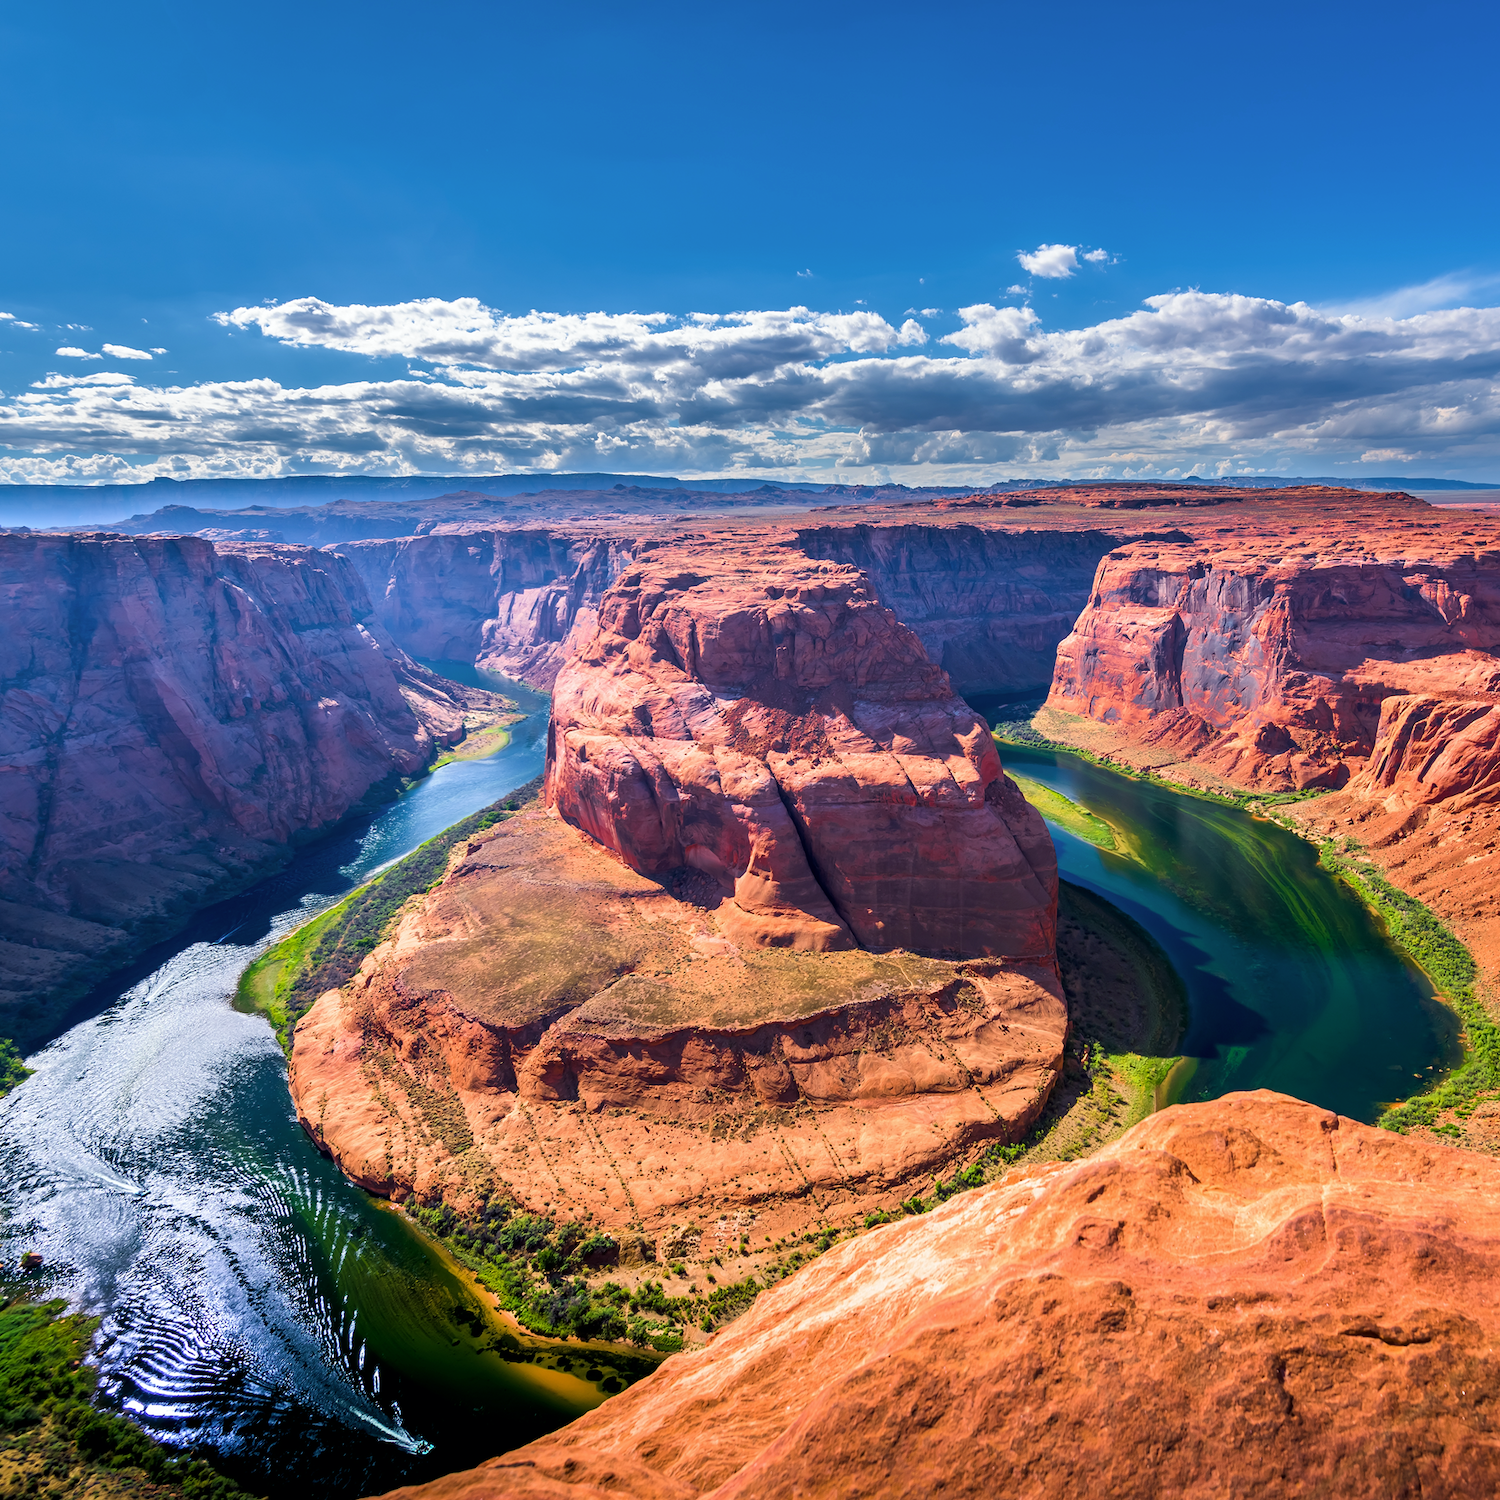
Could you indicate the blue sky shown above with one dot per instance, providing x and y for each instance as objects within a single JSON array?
[{"x": 403, "y": 186}]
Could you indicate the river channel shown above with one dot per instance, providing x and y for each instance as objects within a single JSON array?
[{"x": 256, "y": 1303}]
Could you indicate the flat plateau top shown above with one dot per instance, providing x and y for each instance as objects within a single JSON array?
[{"x": 535, "y": 919}]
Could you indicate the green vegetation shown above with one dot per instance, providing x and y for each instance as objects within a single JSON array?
[
  {"x": 54, "y": 1438},
  {"x": 325, "y": 953},
  {"x": 12, "y": 1070},
  {"x": 1451, "y": 968},
  {"x": 1020, "y": 732},
  {"x": 1066, "y": 813},
  {"x": 480, "y": 744}
]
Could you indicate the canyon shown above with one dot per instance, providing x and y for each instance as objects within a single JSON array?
[
  {"x": 176, "y": 716},
  {"x": 1247, "y": 1296},
  {"x": 777, "y": 944}
]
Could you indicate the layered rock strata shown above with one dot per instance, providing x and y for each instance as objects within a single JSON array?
[
  {"x": 1246, "y": 1297},
  {"x": 769, "y": 724},
  {"x": 515, "y": 602},
  {"x": 174, "y": 716},
  {"x": 551, "y": 1026},
  {"x": 1268, "y": 658}
]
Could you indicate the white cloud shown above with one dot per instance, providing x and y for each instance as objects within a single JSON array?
[
  {"x": 154, "y": 350},
  {"x": 1189, "y": 380},
  {"x": 1100, "y": 257},
  {"x": 1018, "y": 291},
  {"x": 1051, "y": 261},
  {"x": 69, "y": 352},
  {"x": 124, "y": 351},
  {"x": 931, "y": 312},
  {"x": 911, "y": 332},
  {"x": 11, "y": 318},
  {"x": 1452, "y": 290},
  {"x": 805, "y": 274}
]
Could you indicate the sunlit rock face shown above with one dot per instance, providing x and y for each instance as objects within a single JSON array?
[
  {"x": 771, "y": 725},
  {"x": 1252, "y": 1296}
]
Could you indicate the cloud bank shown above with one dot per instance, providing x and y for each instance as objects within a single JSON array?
[{"x": 1191, "y": 380}]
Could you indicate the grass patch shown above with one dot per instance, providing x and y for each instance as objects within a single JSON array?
[
  {"x": 1437, "y": 951},
  {"x": 12, "y": 1070},
  {"x": 480, "y": 744},
  {"x": 1066, "y": 813},
  {"x": 52, "y": 1433},
  {"x": 325, "y": 953}
]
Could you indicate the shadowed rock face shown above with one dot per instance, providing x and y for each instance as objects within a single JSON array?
[
  {"x": 173, "y": 716},
  {"x": 771, "y": 725},
  {"x": 1246, "y": 1297}
]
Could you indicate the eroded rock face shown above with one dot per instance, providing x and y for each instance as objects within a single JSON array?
[
  {"x": 1246, "y": 1297},
  {"x": 1268, "y": 658},
  {"x": 174, "y": 714},
  {"x": 550, "y": 1026},
  {"x": 517, "y": 602},
  {"x": 770, "y": 724}
]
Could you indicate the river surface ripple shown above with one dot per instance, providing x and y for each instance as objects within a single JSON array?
[{"x": 255, "y": 1302}]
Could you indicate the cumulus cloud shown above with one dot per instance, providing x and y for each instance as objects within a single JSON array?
[
  {"x": 1051, "y": 261},
  {"x": 124, "y": 351},
  {"x": 69, "y": 352},
  {"x": 1190, "y": 380},
  {"x": 16, "y": 322}
]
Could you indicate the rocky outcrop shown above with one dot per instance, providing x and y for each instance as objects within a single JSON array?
[
  {"x": 553, "y": 1028},
  {"x": 768, "y": 723},
  {"x": 1246, "y": 1297},
  {"x": 174, "y": 716},
  {"x": 516, "y": 602},
  {"x": 1267, "y": 658}
]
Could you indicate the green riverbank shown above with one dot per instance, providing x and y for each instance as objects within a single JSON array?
[
  {"x": 326, "y": 952},
  {"x": 1412, "y": 927},
  {"x": 54, "y": 1440}
]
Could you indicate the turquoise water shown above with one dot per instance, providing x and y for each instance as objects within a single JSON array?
[{"x": 1292, "y": 983}]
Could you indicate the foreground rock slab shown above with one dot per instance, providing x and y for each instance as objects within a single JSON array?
[{"x": 1240, "y": 1298}]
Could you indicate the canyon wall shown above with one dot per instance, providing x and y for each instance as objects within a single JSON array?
[
  {"x": 514, "y": 602},
  {"x": 1268, "y": 659},
  {"x": 989, "y": 604},
  {"x": 1246, "y": 1297},
  {"x": 174, "y": 715},
  {"x": 768, "y": 722}
]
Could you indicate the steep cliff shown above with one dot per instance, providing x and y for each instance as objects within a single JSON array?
[
  {"x": 989, "y": 604},
  {"x": 1246, "y": 1297},
  {"x": 516, "y": 602},
  {"x": 1266, "y": 657},
  {"x": 174, "y": 715},
  {"x": 768, "y": 722}
]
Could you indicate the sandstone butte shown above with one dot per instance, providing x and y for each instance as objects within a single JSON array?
[
  {"x": 174, "y": 716},
  {"x": 784, "y": 942},
  {"x": 1243, "y": 1298}
]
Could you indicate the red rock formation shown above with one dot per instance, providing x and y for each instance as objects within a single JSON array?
[
  {"x": 174, "y": 715},
  {"x": 548, "y": 1026},
  {"x": 768, "y": 722},
  {"x": 1265, "y": 654},
  {"x": 1243, "y": 1298}
]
